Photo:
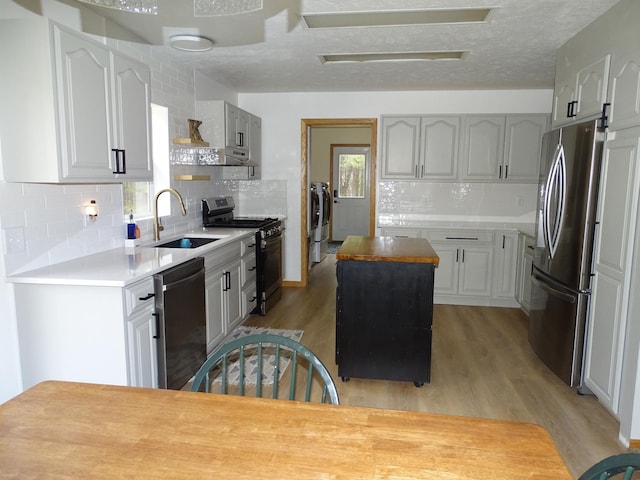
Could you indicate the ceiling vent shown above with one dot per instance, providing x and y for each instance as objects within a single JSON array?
[
  {"x": 392, "y": 57},
  {"x": 395, "y": 18}
]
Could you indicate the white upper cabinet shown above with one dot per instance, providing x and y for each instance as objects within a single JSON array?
[
  {"x": 439, "y": 138},
  {"x": 522, "y": 145},
  {"x": 400, "y": 147},
  {"x": 239, "y": 133},
  {"x": 599, "y": 70},
  {"x": 482, "y": 147},
  {"x": 580, "y": 88},
  {"x": 487, "y": 148},
  {"x": 591, "y": 88},
  {"x": 77, "y": 112},
  {"x": 624, "y": 84},
  {"x": 255, "y": 148},
  {"x": 132, "y": 99}
]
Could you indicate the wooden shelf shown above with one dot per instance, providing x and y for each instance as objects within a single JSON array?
[
  {"x": 189, "y": 141},
  {"x": 192, "y": 177}
]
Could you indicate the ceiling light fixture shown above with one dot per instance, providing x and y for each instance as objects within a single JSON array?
[
  {"x": 191, "y": 43},
  {"x": 391, "y": 57},
  {"x": 213, "y": 8},
  {"x": 395, "y": 18},
  {"x": 134, "y": 6}
]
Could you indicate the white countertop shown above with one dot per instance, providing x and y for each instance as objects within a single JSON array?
[
  {"x": 122, "y": 266},
  {"x": 527, "y": 228}
]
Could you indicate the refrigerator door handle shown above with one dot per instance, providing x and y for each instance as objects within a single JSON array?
[
  {"x": 556, "y": 187},
  {"x": 549, "y": 288}
]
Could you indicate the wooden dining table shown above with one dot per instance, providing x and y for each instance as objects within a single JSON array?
[{"x": 66, "y": 430}]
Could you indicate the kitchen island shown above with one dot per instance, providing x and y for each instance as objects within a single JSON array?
[{"x": 384, "y": 308}]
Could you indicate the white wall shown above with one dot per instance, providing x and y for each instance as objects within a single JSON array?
[{"x": 282, "y": 113}]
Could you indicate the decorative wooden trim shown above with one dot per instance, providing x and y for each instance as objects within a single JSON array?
[
  {"x": 634, "y": 443},
  {"x": 305, "y": 124},
  {"x": 291, "y": 283}
]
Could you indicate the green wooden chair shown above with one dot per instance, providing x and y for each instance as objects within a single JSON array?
[
  {"x": 258, "y": 364},
  {"x": 621, "y": 466}
]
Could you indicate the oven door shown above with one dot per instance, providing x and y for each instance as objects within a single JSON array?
[{"x": 269, "y": 272}]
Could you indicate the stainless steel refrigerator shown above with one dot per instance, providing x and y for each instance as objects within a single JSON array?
[{"x": 561, "y": 273}]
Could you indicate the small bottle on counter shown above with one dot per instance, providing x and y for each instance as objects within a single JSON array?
[{"x": 133, "y": 233}]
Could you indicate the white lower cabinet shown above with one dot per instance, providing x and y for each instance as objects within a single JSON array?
[
  {"x": 474, "y": 269},
  {"x": 226, "y": 289},
  {"x": 466, "y": 265},
  {"x": 142, "y": 334},
  {"x": 526, "y": 246},
  {"x": 505, "y": 264},
  {"x": 93, "y": 334},
  {"x": 401, "y": 232}
]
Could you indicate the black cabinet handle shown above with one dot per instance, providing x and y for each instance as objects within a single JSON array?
[
  {"x": 253, "y": 298},
  {"x": 604, "y": 118},
  {"x": 252, "y": 268},
  {"x": 506, "y": 171},
  {"x": 461, "y": 238},
  {"x": 149, "y": 295},
  {"x": 457, "y": 254},
  {"x": 500, "y": 171},
  {"x": 571, "y": 109},
  {"x": 117, "y": 155},
  {"x": 503, "y": 240},
  {"x": 463, "y": 255},
  {"x": 157, "y": 335}
]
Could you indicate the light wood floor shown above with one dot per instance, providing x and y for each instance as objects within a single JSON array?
[{"x": 482, "y": 366}]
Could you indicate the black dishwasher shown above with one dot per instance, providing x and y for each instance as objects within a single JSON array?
[{"x": 181, "y": 323}]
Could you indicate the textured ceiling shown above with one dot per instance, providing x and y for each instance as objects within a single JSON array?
[{"x": 272, "y": 51}]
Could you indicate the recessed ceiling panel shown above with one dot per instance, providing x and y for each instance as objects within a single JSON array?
[
  {"x": 391, "y": 57},
  {"x": 395, "y": 18}
]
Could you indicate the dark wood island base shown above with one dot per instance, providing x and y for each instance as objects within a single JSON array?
[{"x": 384, "y": 308}]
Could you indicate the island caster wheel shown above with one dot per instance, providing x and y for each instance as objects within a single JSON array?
[
  {"x": 418, "y": 384},
  {"x": 346, "y": 379}
]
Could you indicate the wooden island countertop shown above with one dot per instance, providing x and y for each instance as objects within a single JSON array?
[{"x": 387, "y": 249}]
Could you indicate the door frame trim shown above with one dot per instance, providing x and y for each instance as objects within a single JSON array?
[{"x": 305, "y": 123}]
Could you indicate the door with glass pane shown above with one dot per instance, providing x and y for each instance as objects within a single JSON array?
[{"x": 350, "y": 184}]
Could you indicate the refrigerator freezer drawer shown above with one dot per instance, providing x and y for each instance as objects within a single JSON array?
[{"x": 556, "y": 328}]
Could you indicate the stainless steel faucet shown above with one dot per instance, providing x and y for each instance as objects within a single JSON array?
[{"x": 157, "y": 223}]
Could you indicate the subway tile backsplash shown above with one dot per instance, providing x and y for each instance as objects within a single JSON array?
[{"x": 457, "y": 201}]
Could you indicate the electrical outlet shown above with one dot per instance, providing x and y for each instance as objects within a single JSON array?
[{"x": 13, "y": 240}]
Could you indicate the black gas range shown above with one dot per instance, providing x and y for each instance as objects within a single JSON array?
[{"x": 218, "y": 212}]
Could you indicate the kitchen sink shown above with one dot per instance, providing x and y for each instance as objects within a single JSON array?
[{"x": 186, "y": 242}]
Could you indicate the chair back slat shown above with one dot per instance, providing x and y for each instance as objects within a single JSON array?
[
  {"x": 259, "y": 372},
  {"x": 623, "y": 463},
  {"x": 294, "y": 376},
  {"x": 239, "y": 354}
]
